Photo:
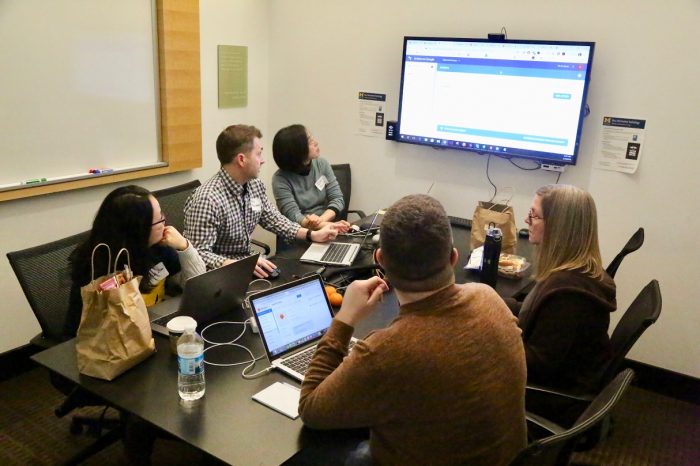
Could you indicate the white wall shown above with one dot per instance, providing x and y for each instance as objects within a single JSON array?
[
  {"x": 29, "y": 222},
  {"x": 323, "y": 52}
]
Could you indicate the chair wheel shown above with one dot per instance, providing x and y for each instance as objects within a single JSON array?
[{"x": 76, "y": 428}]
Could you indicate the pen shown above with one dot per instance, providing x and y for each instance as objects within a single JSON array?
[{"x": 34, "y": 181}]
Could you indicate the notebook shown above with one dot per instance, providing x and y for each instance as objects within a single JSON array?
[
  {"x": 336, "y": 253},
  {"x": 291, "y": 319},
  {"x": 207, "y": 296}
]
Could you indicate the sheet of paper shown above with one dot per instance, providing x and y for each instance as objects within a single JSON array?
[
  {"x": 282, "y": 397},
  {"x": 621, "y": 144},
  {"x": 371, "y": 107}
]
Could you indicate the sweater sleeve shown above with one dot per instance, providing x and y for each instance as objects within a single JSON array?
[
  {"x": 284, "y": 197},
  {"x": 553, "y": 334},
  {"x": 342, "y": 391},
  {"x": 334, "y": 196},
  {"x": 192, "y": 265}
]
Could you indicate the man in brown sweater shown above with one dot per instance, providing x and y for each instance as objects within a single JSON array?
[{"x": 444, "y": 383}]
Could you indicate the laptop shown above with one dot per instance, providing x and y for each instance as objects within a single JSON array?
[
  {"x": 342, "y": 254},
  {"x": 207, "y": 296},
  {"x": 291, "y": 319}
]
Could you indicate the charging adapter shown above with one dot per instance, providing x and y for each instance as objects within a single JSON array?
[{"x": 553, "y": 167}]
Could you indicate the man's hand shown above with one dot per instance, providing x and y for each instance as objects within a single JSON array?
[
  {"x": 173, "y": 238},
  {"x": 325, "y": 234},
  {"x": 360, "y": 300},
  {"x": 312, "y": 222},
  {"x": 342, "y": 226},
  {"x": 263, "y": 268}
]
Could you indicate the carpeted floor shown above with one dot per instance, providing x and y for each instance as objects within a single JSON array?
[{"x": 650, "y": 430}]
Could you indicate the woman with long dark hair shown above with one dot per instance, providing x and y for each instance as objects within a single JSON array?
[{"x": 130, "y": 217}]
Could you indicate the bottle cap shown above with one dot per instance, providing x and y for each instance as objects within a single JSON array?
[{"x": 181, "y": 323}]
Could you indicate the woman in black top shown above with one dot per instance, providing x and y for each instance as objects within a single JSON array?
[{"x": 130, "y": 217}]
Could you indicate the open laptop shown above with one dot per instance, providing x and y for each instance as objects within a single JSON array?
[
  {"x": 292, "y": 318},
  {"x": 207, "y": 296},
  {"x": 342, "y": 254}
]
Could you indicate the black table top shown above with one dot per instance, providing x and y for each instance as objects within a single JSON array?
[{"x": 226, "y": 423}]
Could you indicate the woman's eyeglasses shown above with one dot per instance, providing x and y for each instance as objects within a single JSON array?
[
  {"x": 162, "y": 220},
  {"x": 531, "y": 216}
]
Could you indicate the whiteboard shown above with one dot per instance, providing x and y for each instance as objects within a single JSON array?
[{"x": 78, "y": 87}]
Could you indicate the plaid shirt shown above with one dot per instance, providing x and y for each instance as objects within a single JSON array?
[{"x": 220, "y": 217}]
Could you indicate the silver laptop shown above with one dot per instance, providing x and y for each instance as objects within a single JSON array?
[
  {"x": 336, "y": 253},
  {"x": 292, "y": 318},
  {"x": 207, "y": 296}
]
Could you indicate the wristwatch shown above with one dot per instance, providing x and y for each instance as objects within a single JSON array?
[{"x": 308, "y": 235}]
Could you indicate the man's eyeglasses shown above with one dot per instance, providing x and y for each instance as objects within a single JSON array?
[
  {"x": 162, "y": 220},
  {"x": 531, "y": 216}
]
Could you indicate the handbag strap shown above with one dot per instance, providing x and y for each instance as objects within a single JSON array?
[{"x": 92, "y": 260}]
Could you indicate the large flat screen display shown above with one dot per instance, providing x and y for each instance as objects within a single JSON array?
[{"x": 511, "y": 98}]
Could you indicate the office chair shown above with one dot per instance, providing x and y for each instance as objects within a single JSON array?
[
  {"x": 556, "y": 449},
  {"x": 635, "y": 242},
  {"x": 43, "y": 273},
  {"x": 343, "y": 174},
  {"x": 643, "y": 312},
  {"x": 172, "y": 204}
]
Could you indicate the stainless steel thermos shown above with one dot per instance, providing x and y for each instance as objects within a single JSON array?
[{"x": 492, "y": 252}]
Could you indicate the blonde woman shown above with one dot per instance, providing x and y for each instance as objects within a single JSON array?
[{"x": 565, "y": 318}]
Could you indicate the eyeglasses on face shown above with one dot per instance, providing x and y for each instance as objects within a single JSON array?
[
  {"x": 162, "y": 220},
  {"x": 531, "y": 216}
]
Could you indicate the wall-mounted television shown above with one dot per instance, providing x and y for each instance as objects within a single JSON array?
[{"x": 512, "y": 98}]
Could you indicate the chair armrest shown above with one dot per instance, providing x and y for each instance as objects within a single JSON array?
[
  {"x": 559, "y": 393},
  {"x": 357, "y": 212},
  {"x": 544, "y": 423},
  {"x": 262, "y": 245}
]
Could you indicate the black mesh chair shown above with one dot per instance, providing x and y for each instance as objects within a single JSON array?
[
  {"x": 172, "y": 202},
  {"x": 634, "y": 243},
  {"x": 556, "y": 449},
  {"x": 43, "y": 273},
  {"x": 642, "y": 313},
  {"x": 343, "y": 174}
]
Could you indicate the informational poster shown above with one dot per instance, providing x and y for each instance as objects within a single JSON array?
[
  {"x": 621, "y": 144},
  {"x": 233, "y": 76},
  {"x": 371, "y": 107}
]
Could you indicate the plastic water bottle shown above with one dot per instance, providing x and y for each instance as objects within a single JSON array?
[{"x": 190, "y": 365}]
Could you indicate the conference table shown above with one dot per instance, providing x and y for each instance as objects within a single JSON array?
[{"x": 226, "y": 423}]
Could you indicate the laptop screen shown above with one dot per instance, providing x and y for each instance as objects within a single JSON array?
[{"x": 292, "y": 315}]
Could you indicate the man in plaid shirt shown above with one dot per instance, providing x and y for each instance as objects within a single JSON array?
[{"x": 220, "y": 215}]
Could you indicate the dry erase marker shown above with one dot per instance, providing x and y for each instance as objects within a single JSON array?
[
  {"x": 100, "y": 171},
  {"x": 34, "y": 181}
]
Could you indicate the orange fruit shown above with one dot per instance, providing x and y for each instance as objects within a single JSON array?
[
  {"x": 336, "y": 299},
  {"x": 330, "y": 290}
]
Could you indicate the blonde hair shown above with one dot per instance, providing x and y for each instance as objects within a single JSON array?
[{"x": 570, "y": 238}]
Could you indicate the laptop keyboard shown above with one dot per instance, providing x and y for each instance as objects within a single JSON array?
[
  {"x": 336, "y": 252},
  {"x": 300, "y": 361},
  {"x": 163, "y": 320}
]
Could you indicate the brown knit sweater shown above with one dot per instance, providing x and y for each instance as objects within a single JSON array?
[{"x": 444, "y": 383}]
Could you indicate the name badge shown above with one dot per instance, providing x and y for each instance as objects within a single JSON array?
[
  {"x": 255, "y": 204},
  {"x": 321, "y": 182},
  {"x": 157, "y": 273}
]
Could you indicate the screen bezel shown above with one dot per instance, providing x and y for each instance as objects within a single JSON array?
[{"x": 535, "y": 155}]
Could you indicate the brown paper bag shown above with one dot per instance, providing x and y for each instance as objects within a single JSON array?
[
  {"x": 499, "y": 215},
  {"x": 114, "y": 333}
]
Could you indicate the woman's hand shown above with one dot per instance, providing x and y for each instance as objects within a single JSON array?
[{"x": 173, "y": 238}]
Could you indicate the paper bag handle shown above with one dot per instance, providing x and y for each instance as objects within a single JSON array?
[
  {"x": 92, "y": 260},
  {"x": 116, "y": 261}
]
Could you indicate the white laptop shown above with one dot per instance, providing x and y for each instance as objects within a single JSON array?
[
  {"x": 336, "y": 253},
  {"x": 292, "y": 318}
]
